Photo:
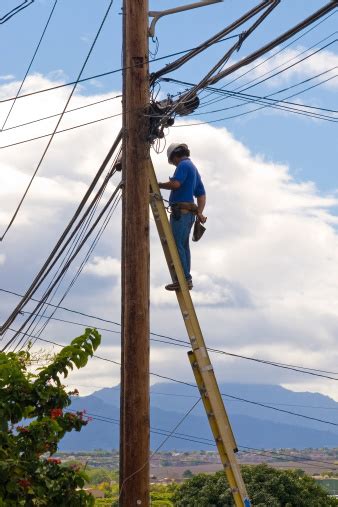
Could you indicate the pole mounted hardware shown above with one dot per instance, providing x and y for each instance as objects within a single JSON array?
[
  {"x": 156, "y": 15},
  {"x": 162, "y": 114}
]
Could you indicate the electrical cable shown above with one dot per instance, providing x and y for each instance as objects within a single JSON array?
[
  {"x": 16, "y": 10},
  {"x": 37, "y": 280},
  {"x": 58, "y": 122},
  {"x": 79, "y": 247},
  {"x": 61, "y": 131},
  {"x": 285, "y": 47},
  {"x": 206, "y": 44},
  {"x": 186, "y": 344},
  {"x": 209, "y": 442},
  {"x": 183, "y": 342},
  {"x": 291, "y": 66},
  {"x": 241, "y": 87},
  {"x": 82, "y": 265},
  {"x": 189, "y": 384},
  {"x": 259, "y": 108},
  {"x": 267, "y": 101},
  {"x": 75, "y": 238},
  {"x": 58, "y": 114},
  {"x": 102, "y": 74},
  {"x": 30, "y": 64},
  {"x": 190, "y": 94},
  {"x": 183, "y": 418},
  {"x": 60, "y": 247},
  {"x": 248, "y": 99},
  {"x": 272, "y": 44}
]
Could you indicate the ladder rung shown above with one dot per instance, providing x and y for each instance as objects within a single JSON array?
[{"x": 208, "y": 367}]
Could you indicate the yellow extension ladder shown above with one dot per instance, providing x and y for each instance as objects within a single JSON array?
[{"x": 199, "y": 357}]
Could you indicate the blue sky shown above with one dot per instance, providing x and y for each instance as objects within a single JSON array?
[{"x": 309, "y": 147}]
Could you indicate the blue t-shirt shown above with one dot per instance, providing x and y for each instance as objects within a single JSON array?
[{"x": 191, "y": 184}]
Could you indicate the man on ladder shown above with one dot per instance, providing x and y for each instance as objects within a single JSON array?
[{"x": 185, "y": 184}]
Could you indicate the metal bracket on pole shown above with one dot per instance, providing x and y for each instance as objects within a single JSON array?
[{"x": 156, "y": 15}]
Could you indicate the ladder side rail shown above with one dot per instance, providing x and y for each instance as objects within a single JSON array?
[{"x": 231, "y": 469}]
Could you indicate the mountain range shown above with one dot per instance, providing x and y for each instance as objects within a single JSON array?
[{"x": 253, "y": 424}]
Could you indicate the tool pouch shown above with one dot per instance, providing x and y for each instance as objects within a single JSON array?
[
  {"x": 176, "y": 211},
  {"x": 198, "y": 231}
]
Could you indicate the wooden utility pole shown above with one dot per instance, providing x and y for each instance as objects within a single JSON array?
[{"x": 134, "y": 474}]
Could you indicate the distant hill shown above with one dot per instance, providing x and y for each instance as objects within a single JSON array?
[{"x": 253, "y": 426}]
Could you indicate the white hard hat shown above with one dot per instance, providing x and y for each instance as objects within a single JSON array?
[{"x": 173, "y": 147}]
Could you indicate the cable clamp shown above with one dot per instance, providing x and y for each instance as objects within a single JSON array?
[{"x": 241, "y": 39}]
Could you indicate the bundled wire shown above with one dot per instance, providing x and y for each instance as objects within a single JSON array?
[
  {"x": 244, "y": 86},
  {"x": 63, "y": 268},
  {"x": 79, "y": 218},
  {"x": 114, "y": 201},
  {"x": 302, "y": 109}
]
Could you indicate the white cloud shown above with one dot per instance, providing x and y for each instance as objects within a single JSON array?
[
  {"x": 103, "y": 266},
  {"x": 265, "y": 272},
  {"x": 6, "y": 77},
  {"x": 2, "y": 259},
  {"x": 316, "y": 64}
]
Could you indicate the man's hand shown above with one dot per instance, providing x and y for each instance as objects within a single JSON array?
[{"x": 201, "y": 218}]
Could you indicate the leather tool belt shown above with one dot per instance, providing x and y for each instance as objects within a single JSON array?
[{"x": 179, "y": 208}]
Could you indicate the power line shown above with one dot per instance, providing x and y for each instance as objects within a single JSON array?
[
  {"x": 179, "y": 342},
  {"x": 113, "y": 207},
  {"x": 209, "y": 442},
  {"x": 262, "y": 107},
  {"x": 62, "y": 241},
  {"x": 182, "y": 382},
  {"x": 16, "y": 10},
  {"x": 177, "y": 395},
  {"x": 58, "y": 114},
  {"x": 292, "y": 65},
  {"x": 268, "y": 101},
  {"x": 30, "y": 63},
  {"x": 271, "y": 45},
  {"x": 248, "y": 99},
  {"x": 102, "y": 74},
  {"x": 240, "y": 87},
  {"x": 58, "y": 122},
  {"x": 61, "y": 131},
  {"x": 252, "y": 98},
  {"x": 70, "y": 260},
  {"x": 186, "y": 344},
  {"x": 191, "y": 94}
]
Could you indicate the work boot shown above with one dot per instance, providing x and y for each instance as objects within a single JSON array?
[{"x": 176, "y": 285}]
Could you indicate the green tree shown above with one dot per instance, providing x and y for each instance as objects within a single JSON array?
[
  {"x": 98, "y": 475},
  {"x": 29, "y": 475},
  {"x": 267, "y": 487}
]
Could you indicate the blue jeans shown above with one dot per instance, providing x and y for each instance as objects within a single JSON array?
[{"x": 181, "y": 230}]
